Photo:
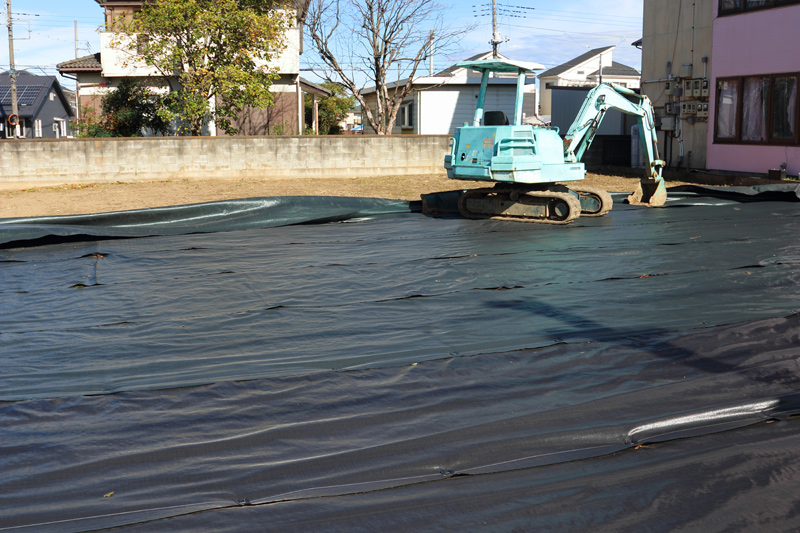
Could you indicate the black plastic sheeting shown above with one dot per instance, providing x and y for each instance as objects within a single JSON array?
[
  {"x": 408, "y": 372},
  {"x": 207, "y": 217}
]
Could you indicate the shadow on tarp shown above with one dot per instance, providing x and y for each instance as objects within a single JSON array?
[{"x": 229, "y": 215}]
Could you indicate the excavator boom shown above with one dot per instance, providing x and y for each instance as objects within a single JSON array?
[{"x": 651, "y": 190}]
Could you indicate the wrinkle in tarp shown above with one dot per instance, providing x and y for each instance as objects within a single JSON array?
[{"x": 343, "y": 376}]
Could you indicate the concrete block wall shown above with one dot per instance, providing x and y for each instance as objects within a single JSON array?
[{"x": 42, "y": 162}]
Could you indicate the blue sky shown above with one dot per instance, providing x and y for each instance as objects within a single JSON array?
[{"x": 553, "y": 32}]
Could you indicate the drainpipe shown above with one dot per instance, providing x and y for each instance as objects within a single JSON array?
[
  {"x": 300, "y": 107},
  {"x": 77, "y": 97}
]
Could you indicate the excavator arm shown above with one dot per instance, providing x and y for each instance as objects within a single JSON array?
[{"x": 651, "y": 190}]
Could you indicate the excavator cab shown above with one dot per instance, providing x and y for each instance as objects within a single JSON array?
[{"x": 536, "y": 179}]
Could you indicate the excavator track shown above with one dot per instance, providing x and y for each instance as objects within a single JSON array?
[
  {"x": 501, "y": 203},
  {"x": 594, "y": 202}
]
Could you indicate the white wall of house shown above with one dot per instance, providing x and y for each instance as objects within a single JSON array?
[
  {"x": 119, "y": 60},
  {"x": 441, "y": 111},
  {"x": 288, "y": 62},
  {"x": 577, "y": 76}
]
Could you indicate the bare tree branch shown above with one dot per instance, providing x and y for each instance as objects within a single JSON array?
[{"x": 375, "y": 39}]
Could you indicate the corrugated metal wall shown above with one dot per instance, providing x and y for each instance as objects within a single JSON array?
[{"x": 567, "y": 102}]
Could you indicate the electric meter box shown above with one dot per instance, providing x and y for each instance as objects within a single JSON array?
[
  {"x": 688, "y": 88},
  {"x": 668, "y": 124},
  {"x": 696, "y": 90}
]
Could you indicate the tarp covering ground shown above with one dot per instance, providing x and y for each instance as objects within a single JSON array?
[{"x": 405, "y": 372}]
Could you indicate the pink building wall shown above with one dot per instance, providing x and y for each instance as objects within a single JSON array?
[{"x": 760, "y": 42}]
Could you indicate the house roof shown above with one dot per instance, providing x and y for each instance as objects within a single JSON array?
[
  {"x": 82, "y": 64},
  {"x": 443, "y": 76},
  {"x": 32, "y": 93},
  {"x": 617, "y": 70},
  {"x": 574, "y": 62},
  {"x": 313, "y": 88}
]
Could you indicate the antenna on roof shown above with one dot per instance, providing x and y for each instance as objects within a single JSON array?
[{"x": 503, "y": 10}]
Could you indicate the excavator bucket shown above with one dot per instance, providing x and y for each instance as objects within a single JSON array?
[{"x": 650, "y": 192}]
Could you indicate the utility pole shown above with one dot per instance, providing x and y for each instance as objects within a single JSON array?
[
  {"x": 495, "y": 34},
  {"x": 11, "y": 72}
]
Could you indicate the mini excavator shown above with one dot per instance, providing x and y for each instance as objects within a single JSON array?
[{"x": 529, "y": 164}]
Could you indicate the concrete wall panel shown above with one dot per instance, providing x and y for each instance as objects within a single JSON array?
[{"x": 42, "y": 162}]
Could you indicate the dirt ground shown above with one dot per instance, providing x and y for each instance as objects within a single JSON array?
[{"x": 105, "y": 197}]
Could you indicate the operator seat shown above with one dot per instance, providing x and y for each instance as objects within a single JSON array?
[{"x": 495, "y": 118}]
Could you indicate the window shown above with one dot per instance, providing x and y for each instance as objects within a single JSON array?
[
  {"x": 405, "y": 115},
  {"x": 727, "y": 105},
  {"x": 757, "y": 109},
  {"x": 37, "y": 128},
  {"x": 784, "y": 109},
  {"x": 60, "y": 127},
  {"x": 754, "y": 108},
  {"x": 732, "y": 7}
]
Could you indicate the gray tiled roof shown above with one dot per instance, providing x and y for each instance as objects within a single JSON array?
[{"x": 82, "y": 64}]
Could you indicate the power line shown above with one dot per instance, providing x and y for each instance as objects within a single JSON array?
[{"x": 564, "y": 32}]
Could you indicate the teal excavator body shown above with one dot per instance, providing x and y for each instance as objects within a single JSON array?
[{"x": 536, "y": 172}]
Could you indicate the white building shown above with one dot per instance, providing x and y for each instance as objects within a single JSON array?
[
  {"x": 589, "y": 69},
  {"x": 440, "y": 103}
]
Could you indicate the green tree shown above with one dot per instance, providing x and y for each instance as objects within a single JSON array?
[
  {"x": 131, "y": 109},
  {"x": 90, "y": 124},
  {"x": 215, "y": 50},
  {"x": 332, "y": 109}
]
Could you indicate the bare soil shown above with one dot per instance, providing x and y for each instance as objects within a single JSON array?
[{"x": 106, "y": 197}]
